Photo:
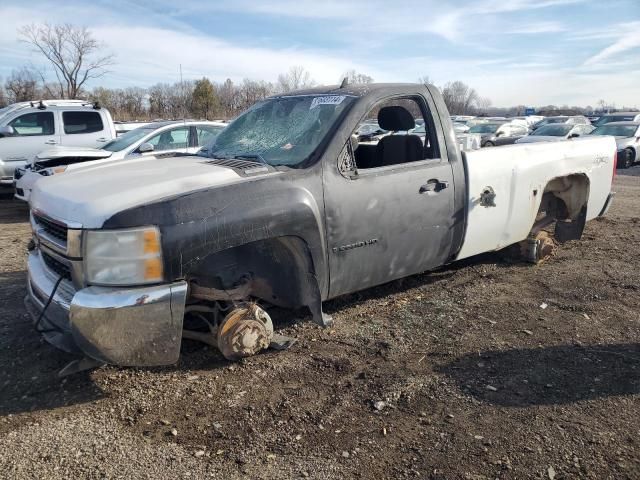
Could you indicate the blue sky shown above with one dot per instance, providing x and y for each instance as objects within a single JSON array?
[{"x": 532, "y": 52}]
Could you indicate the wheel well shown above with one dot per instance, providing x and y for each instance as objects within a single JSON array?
[
  {"x": 564, "y": 202},
  {"x": 279, "y": 271},
  {"x": 570, "y": 195}
]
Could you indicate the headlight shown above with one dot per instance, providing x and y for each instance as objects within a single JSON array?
[
  {"x": 123, "y": 257},
  {"x": 53, "y": 170}
]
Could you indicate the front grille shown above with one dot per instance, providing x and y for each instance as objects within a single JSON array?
[
  {"x": 54, "y": 229},
  {"x": 56, "y": 266}
]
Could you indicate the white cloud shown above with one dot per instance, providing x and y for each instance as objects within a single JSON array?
[
  {"x": 628, "y": 38},
  {"x": 536, "y": 28},
  {"x": 151, "y": 46}
]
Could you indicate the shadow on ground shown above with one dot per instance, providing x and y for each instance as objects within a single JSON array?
[
  {"x": 28, "y": 365},
  {"x": 629, "y": 172},
  {"x": 548, "y": 376},
  {"x": 12, "y": 210}
]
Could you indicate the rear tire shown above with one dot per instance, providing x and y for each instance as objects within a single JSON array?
[
  {"x": 489, "y": 144},
  {"x": 629, "y": 158}
]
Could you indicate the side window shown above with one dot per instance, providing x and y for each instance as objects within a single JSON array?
[
  {"x": 81, "y": 122},
  {"x": 395, "y": 132},
  {"x": 207, "y": 133},
  {"x": 34, "y": 124},
  {"x": 170, "y": 139}
]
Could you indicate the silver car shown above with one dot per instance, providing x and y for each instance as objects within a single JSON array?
[
  {"x": 627, "y": 138},
  {"x": 562, "y": 119},
  {"x": 556, "y": 133},
  {"x": 153, "y": 139},
  {"x": 617, "y": 117}
]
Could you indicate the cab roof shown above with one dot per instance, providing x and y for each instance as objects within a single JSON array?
[{"x": 356, "y": 90}]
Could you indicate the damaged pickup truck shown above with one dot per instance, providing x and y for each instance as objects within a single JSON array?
[{"x": 287, "y": 209}]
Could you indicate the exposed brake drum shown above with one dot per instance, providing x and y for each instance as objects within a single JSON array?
[
  {"x": 538, "y": 247},
  {"x": 245, "y": 331}
]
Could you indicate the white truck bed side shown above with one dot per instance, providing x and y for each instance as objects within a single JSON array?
[{"x": 518, "y": 175}]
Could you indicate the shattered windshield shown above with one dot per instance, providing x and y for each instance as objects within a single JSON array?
[{"x": 282, "y": 130}]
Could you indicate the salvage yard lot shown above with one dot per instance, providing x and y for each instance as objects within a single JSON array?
[{"x": 460, "y": 373}]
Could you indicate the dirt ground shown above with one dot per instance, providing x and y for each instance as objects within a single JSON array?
[{"x": 457, "y": 374}]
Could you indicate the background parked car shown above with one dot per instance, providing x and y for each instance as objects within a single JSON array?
[
  {"x": 530, "y": 119},
  {"x": 627, "y": 138},
  {"x": 27, "y": 128},
  {"x": 617, "y": 117},
  {"x": 499, "y": 133},
  {"x": 556, "y": 133},
  {"x": 460, "y": 127},
  {"x": 569, "y": 120},
  {"x": 369, "y": 131},
  {"x": 124, "y": 127},
  {"x": 158, "y": 137}
]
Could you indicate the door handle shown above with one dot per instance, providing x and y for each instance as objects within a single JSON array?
[
  {"x": 50, "y": 142},
  {"x": 433, "y": 186},
  {"x": 102, "y": 139}
]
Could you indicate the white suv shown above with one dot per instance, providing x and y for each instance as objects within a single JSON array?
[{"x": 28, "y": 128}]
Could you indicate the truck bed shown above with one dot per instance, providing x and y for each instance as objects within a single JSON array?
[{"x": 518, "y": 175}]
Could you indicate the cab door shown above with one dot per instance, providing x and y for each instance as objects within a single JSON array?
[
  {"x": 391, "y": 214},
  {"x": 33, "y": 132},
  {"x": 84, "y": 128}
]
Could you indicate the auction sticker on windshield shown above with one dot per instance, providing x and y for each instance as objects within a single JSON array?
[{"x": 327, "y": 100}]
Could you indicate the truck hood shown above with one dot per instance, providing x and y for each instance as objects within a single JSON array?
[
  {"x": 91, "y": 195},
  {"x": 539, "y": 138}
]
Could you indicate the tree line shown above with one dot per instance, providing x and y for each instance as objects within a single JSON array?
[{"x": 76, "y": 58}]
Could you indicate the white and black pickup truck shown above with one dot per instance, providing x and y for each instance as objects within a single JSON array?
[{"x": 287, "y": 208}]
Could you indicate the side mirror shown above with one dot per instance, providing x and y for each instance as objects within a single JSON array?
[
  {"x": 146, "y": 147},
  {"x": 6, "y": 131},
  {"x": 574, "y": 135},
  {"x": 354, "y": 139}
]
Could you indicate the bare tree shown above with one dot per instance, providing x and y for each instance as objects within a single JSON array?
[
  {"x": 22, "y": 85},
  {"x": 459, "y": 97},
  {"x": 483, "y": 104},
  {"x": 3, "y": 98},
  {"x": 354, "y": 77},
  {"x": 72, "y": 51},
  {"x": 252, "y": 91},
  {"x": 425, "y": 80},
  {"x": 295, "y": 79},
  {"x": 133, "y": 102}
]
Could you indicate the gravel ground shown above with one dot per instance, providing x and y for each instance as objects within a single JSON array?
[{"x": 460, "y": 373}]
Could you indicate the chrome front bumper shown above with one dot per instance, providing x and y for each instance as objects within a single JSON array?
[{"x": 139, "y": 326}]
